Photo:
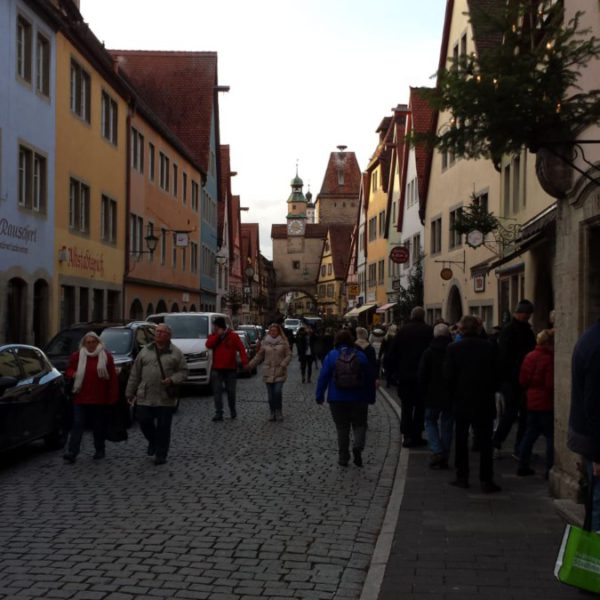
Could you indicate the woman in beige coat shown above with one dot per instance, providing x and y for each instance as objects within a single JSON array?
[{"x": 276, "y": 355}]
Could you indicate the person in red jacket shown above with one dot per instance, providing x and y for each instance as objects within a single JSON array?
[
  {"x": 95, "y": 387},
  {"x": 537, "y": 379},
  {"x": 225, "y": 345}
]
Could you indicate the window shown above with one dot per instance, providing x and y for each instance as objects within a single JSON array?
[
  {"x": 330, "y": 290},
  {"x": 340, "y": 176},
  {"x": 151, "y": 159},
  {"x": 193, "y": 257},
  {"x": 415, "y": 253},
  {"x": 42, "y": 57},
  {"x": 184, "y": 188},
  {"x": 163, "y": 246},
  {"x": 374, "y": 181},
  {"x": 110, "y": 121},
  {"x": 482, "y": 200},
  {"x": 382, "y": 223},
  {"x": 372, "y": 229},
  {"x": 137, "y": 150},
  {"x": 463, "y": 44},
  {"x": 194, "y": 196},
  {"x": 436, "y": 235},
  {"x": 323, "y": 270},
  {"x": 329, "y": 269},
  {"x": 173, "y": 252},
  {"x": 32, "y": 180},
  {"x": 164, "y": 172},
  {"x": 108, "y": 220},
  {"x": 80, "y": 91},
  {"x": 393, "y": 213},
  {"x": 381, "y": 271},
  {"x": 136, "y": 233},
  {"x": 372, "y": 275},
  {"x": 175, "y": 179},
  {"x": 455, "y": 237},
  {"x": 183, "y": 258},
  {"x": 24, "y": 49},
  {"x": 516, "y": 192},
  {"x": 79, "y": 206},
  {"x": 296, "y": 265}
]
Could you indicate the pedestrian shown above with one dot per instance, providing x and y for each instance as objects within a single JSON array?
[
  {"x": 376, "y": 340},
  {"x": 439, "y": 421},
  {"x": 275, "y": 354},
  {"x": 584, "y": 419},
  {"x": 158, "y": 370},
  {"x": 470, "y": 374},
  {"x": 411, "y": 340},
  {"x": 347, "y": 378},
  {"x": 306, "y": 346},
  {"x": 225, "y": 345},
  {"x": 95, "y": 389},
  {"x": 514, "y": 342},
  {"x": 365, "y": 346},
  {"x": 537, "y": 379},
  {"x": 386, "y": 344}
]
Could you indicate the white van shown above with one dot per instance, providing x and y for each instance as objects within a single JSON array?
[{"x": 189, "y": 333}]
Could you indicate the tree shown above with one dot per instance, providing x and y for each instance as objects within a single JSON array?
[
  {"x": 411, "y": 295},
  {"x": 521, "y": 89}
]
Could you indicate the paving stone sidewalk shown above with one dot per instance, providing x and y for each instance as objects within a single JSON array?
[
  {"x": 243, "y": 510},
  {"x": 459, "y": 544}
]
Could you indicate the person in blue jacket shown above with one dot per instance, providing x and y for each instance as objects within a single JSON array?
[{"x": 348, "y": 394}]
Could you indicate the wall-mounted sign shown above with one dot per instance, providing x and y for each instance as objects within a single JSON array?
[
  {"x": 82, "y": 260},
  {"x": 181, "y": 239},
  {"x": 479, "y": 283},
  {"x": 446, "y": 273},
  {"x": 353, "y": 290},
  {"x": 475, "y": 238},
  {"x": 18, "y": 236},
  {"x": 399, "y": 254}
]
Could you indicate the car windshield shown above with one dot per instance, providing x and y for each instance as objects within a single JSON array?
[
  {"x": 187, "y": 326},
  {"x": 66, "y": 342},
  {"x": 292, "y": 323},
  {"x": 117, "y": 340}
]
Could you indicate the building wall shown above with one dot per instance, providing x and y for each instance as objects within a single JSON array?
[
  {"x": 305, "y": 252},
  {"x": 336, "y": 210},
  {"x": 169, "y": 275},
  {"x": 86, "y": 265},
  {"x": 27, "y": 120}
]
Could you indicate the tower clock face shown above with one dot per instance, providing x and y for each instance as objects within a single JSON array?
[{"x": 295, "y": 227}]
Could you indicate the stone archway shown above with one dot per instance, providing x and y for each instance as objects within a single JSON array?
[
  {"x": 454, "y": 306},
  {"x": 150, "y": 309},
  {"x": 136, "y": 311},
  {"x": 309, "y": 291},
  {"x": 175, "y": 307},
  {"x": 161, "y": 307}
]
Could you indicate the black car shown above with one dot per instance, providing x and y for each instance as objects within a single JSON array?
[{"x": 32, "y": 400}]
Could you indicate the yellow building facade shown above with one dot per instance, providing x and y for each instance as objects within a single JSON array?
[{"x": 90, "y": 183}]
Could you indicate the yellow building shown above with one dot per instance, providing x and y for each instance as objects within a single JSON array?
[{"x": 90, "y": 180}]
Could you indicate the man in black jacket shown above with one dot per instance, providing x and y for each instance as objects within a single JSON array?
[
  {"x": 514, "y": 342},
  {"x": 402, "y": 361},
  {"x": 584, "y": 419},
  {"x": 470, "y": 373}
]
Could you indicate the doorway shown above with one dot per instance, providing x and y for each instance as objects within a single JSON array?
[{"x": 454, "y": 311}]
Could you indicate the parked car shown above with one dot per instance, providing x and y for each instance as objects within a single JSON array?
[
  {"x": 32, "y": 400},
  {"x": 292, "y": 325},
  {"x": 189, "y": 333},
  {"x": 254, "y": 335},
  {"x": 243, "y": 335}
]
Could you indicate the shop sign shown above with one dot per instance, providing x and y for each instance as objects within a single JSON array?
[
  {"x": 446, "y": 273},
  {"x": 82, "y": 260},
  {"x": 353, "y": 290},
  {"x": 399, "y": 254},
  {"x": 16, "y": 237}
]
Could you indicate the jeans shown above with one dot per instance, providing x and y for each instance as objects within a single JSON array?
[
  {"x": 538, "y": 422},
  {"x": 227, "y": 379},
  {"x": 274, "y": 392},
  {"x": 96, "y": 415},
  {"x": 346, "y": 416},
  {"x": 155, "y": 423},
  {"x": 593, "y": 504},
  {"x": 439, "y": 425},
  {"x": 306, "y": 363},
  {"x": 482, "y": 429},
  {"x": 413, "y": 411},
  {"x": 514, "y": 399}
]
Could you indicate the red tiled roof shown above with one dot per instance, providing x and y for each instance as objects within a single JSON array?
[
  {"x": 180, "y": 88},
  {"x": 351, "y": 186},
  {"x": 340, "y": 238}
]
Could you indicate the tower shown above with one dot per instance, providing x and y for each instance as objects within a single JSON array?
[{"x": 296, "y": 217}]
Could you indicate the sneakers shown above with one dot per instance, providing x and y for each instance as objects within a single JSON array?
[
  {"x": 217, "y": 418},
  {"x": 489, "y": 487},
  {"x": 273, "y": 416},
  {"x": 357, "y": 453},
  {"x": 525, "y": 471}
]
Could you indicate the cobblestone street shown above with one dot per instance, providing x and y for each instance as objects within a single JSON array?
[{"x": 244, "y": 509}]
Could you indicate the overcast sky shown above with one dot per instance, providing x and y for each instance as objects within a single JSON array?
[{"x": 305, "y": 77}]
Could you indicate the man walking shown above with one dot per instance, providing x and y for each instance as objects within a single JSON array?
[
  {"x": 515, "y": 341},
  {"x": 402, "y": 360},
  {"x": 158, "y": 369},
  {"x": 584, "y": 419},
  {"x": 470, "y": 374},
  {"x": 225, "y": 345}
]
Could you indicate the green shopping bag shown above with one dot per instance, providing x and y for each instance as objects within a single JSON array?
[{"x": 578, "y": 561}]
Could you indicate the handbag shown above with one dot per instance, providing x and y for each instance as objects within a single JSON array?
[
  {"x": 578, "y": 561},
  {"x": 172, "y": 389}
]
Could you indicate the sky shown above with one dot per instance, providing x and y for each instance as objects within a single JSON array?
[{"x": 305, "y": 77}]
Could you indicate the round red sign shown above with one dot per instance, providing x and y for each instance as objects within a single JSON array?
[{"x": 399, "y": 254}]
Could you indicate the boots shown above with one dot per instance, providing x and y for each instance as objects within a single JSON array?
[{"x": 273, "y": 416}]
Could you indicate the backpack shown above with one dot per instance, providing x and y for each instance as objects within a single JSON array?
[{"x": 348, "y": 372}]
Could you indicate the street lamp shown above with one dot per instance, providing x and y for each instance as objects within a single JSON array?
[{"x": 150, "y": 239}]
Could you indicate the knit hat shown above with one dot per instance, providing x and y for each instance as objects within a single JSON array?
[
  {"x": 524, "y": 306},
  {"x": 220, "y": 322},
  {"x": 441, "y": 330}
]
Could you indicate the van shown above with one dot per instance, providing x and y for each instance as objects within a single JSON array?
[{"x": 190, "y": 331}]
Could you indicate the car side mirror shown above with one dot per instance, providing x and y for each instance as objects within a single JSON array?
[{"x": 7, "y": 383}]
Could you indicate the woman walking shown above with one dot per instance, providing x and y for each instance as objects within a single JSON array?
[
  {"x": 95, "y": 387},
  {"x": 276, "y": 354},
  {"x": 347, "y": 377},
  {"x": 305, "y": 343}
]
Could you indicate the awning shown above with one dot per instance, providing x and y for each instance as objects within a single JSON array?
[
  {"x": 358, "y": 310},
  {"x": 385, "y": 307}
]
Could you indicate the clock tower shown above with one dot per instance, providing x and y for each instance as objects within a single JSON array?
[{"x": 296, "y": 217}]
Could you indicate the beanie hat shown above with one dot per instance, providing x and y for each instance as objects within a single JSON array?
[
  {"x": 220, "y": 322},
  {"x": 524, "y": 306},
  {"x": 441, "y": 330}
]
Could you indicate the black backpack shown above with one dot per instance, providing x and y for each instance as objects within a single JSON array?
[{"x": 348, "y": 372}]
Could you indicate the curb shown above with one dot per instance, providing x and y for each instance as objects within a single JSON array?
[{"x": 383, "y": 547}]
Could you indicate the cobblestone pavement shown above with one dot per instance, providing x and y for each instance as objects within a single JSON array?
[{"x": 244, "y": 509}]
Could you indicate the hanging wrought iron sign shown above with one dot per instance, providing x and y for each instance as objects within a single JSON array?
[{"x": 446, "y": 274}]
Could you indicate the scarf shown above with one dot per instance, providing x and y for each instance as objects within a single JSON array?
[{"x": 81, "y": 365}]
